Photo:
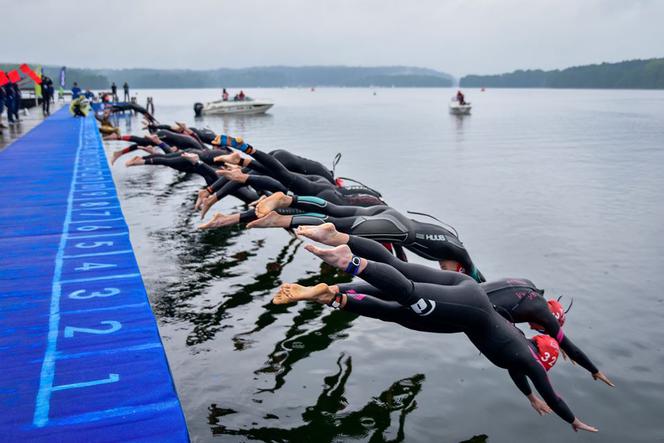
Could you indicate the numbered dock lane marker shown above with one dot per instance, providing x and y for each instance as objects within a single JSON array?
[{"x": 94, "y": 283}]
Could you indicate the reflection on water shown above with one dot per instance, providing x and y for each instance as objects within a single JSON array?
[
  {"x": 329, "y": 420},
  {"x": 246, "y": 369}
]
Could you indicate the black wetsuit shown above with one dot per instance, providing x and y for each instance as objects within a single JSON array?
[
  {"x": 459, "y": 306},
  {"x": 179, "y": 163},
  {"x": 304, "y": 184},
  {"x": 121, "y": 107},
  {"x": 181, "y": 141},
  {"x": 267, "y": 175},
  {"x": 386, "y": 224},
  {"x": 518, "y": 300}
]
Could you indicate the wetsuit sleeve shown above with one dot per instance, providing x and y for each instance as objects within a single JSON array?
[
  {"x": 540, "y": 380},
  {"x": 521, "y": 382},
  {"x": 577, "y": 355}
]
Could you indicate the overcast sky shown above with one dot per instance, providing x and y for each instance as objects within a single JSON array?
[{"x": 455, "y": 36}]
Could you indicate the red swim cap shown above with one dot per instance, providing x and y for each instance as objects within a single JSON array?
[
  {"x": 547, "y": 348},
  {"x": 557, "y": 310}
]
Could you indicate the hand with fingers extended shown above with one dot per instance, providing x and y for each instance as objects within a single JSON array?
[
  {"x": 599, "y": 375},
  {"x": 578, "y": 425},
  {"x": 539, "y": 405}
]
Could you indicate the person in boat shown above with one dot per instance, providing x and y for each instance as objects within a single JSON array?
[
  {"x": 457, "y": 306},
  {"x": 241, "y": 96},
  {"x": 224, "y": 95},
  {"x": 380, "y": 223},
  {"x": 516, "y": 299},
  {"x": 460, "y": 97}
]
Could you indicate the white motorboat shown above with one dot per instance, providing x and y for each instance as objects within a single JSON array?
[
  {"x": 457, "y": 108},
  {"x": 247, "y": 106}
]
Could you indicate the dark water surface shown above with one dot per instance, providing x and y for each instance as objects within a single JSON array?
[{"x": 562, "y": 187}]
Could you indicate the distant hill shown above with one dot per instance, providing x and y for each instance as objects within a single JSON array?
[
  {"x": 269, "y": 76},
  {"x": 633, "y": 74}
]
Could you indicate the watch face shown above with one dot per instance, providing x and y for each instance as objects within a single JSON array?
[{"x": 356, "y": 260}]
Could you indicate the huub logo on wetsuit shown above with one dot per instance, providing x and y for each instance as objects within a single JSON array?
[{"x": 431, "y": 237}]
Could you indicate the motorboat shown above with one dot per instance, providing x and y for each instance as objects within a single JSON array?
[
  {"x": 457, "y": 108},
  {"x": 248, "y": 106}
]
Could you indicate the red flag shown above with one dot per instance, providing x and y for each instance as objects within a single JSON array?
[
  {"x": 26, "y": 69},
  {"x": 3, "y": 78},
  {"x": 14, "y": 76}
]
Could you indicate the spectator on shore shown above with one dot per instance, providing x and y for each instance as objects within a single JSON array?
[
  {"x": 114, "y": 92},
  {"x": 9, "y": 102},
  {"x": 17, "y": 101},
  {"x": 126, "y": 91},
  {"x": 2, "y": 105},
  {"x": 47, "y": 94},
  {"x": 75, "y": 91}
]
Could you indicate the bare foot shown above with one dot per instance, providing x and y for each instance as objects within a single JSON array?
[
  {"x": 202, "y": 195},
  {"x": 272, "y": 220},
  {"x": 207, "y": 204},
  {"x": 275, "y": 201},
  {"x": 325, "y": 233},
  {"x": 233, "y": 158},
  {"x": 235, "y": 175},
  {"x": 291, "y": 293},
  {"x": 116, "y": 155},
  {"x": 153, "y": 138},
  {"x": 255, "y": 202},
  {"x": 338, "y": 257},
  {"x": 192, "y": 157},
  {"x": 148, "y": 149},
  {"x": 136, "y": 161},
  {"x": 220, "y": 220}
]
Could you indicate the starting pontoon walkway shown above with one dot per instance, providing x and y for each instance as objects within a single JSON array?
[{"x": 81, "y": 358}]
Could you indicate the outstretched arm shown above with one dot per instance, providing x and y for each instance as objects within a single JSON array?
[
  {"x": 540, "y": 380},
  {"x": 539, "y": 312}
]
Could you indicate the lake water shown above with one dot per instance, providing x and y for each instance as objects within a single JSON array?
[{"x": 564, "y": 187}]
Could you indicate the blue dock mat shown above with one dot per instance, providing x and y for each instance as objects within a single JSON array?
[{"x": 81, "y": 358}]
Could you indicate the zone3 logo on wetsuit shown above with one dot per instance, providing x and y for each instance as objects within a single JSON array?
[{"x": 423, "y": 307}]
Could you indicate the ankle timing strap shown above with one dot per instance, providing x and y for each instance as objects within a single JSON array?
[
  {"x": 336, "y": 301},
  {"x": 354, "y": 265}
]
